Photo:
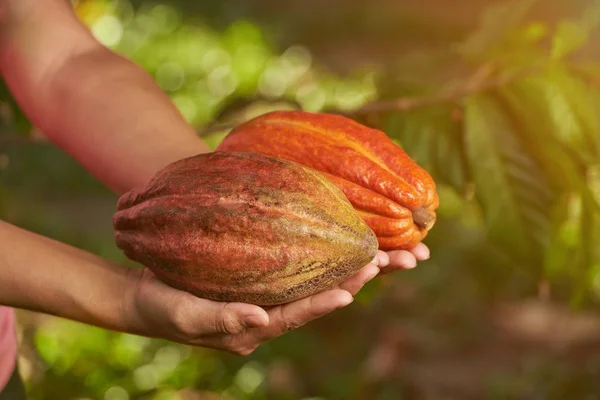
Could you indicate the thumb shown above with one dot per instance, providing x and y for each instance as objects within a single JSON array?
[
  {"x": 187, "y": 316},
  {"x": 232, "y": 318}
]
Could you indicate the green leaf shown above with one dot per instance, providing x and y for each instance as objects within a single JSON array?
[
  {"x": 496, "y": 24},
  {"x": 562, "y": 165},
  {"x": 433, "y": 138},
  {"x": 573, "y": 35},
  {"x": 583, "y": 101},
  {"x": 591, "y": 236},
  {"x": 572, "y": 251},
  {"x": 449, "y": 159},
  {"x": 514, "y": 197},
  {"x": 567, "y": 126},
  {"x": 414, "y": 134},
  {"x": 570, "y": 36},
  {"x": 565, "y": 236},
  {"x": 586, "y": 255},
  {"x": 213, "y": 140},
  {"x": 569, "y": 108}
]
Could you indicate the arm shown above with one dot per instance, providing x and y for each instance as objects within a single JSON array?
[
  {"x": 111, "y": 117},
  {"x": 40, "y": 274},
  {"x": 34, "y": 272},
  {"x": 102, "y": 109},
  {"x": 105, "y": 111}
]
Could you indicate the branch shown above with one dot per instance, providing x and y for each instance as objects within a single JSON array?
[{"x": 477, "y": 83}]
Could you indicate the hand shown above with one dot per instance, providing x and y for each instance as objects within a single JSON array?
[
  {"x": 161, "y": 311},
  {"x": 402, "y": 259}
]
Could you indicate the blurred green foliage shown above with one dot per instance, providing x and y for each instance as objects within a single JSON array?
[
  {"x": 203, "y": 70},
  {"x": 505, "y": 120}
]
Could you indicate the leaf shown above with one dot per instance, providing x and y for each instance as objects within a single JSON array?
[
  {"x": 413, "y": 134},
  {"x": 433, "y": 139},
  {"x": 213, "y": 140},
  {"x": 569, "y": 37},
  {"x": 565, "y": 236},
  {"x": 569, "y": 107},
  {"x": 531, "y": 113},
  {"x": 514, "y": 197},
  {"x": 584, "y": 101},
  {"x": 586, "y": 255},
  {"x": 572, "y": 35},
  {"x": 449, "y": 159},
  {"x": 567, "y": 127},
  {"x": 572, "y": 251},
  {"x": 591, "y": 236},
  {"x": 496, "y": 23}
]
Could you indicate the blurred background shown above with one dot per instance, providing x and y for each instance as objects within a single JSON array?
[{"x": 498, "y": 100}]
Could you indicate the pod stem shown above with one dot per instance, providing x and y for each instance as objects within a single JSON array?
[{"x": 424, "y": 218}]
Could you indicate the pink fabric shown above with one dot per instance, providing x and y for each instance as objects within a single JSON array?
[{"x": 8, "y": 345}]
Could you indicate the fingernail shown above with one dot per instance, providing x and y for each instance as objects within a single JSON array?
[
  {"x": 423, "y": 257},
  {"x": 254, "y": 321},
  {"x": 383, "y": 260},
  {"x": 372, "y": 274},
  {"x": 347, "y": 300}
]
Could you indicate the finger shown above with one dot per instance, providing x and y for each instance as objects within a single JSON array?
[
  {"x": 384, "y": 258},
  {"x": 421, "y": 252},
  {"x": 400, "y": 259},
  {"x": 293, "y": 315},
  {"x": 198, "y": 317},
  {"x": 282, "y": 319},
  {"x": 234, "y": 318},
  {"x": 189, "y": 316},
  {"x": 358, "y": 280}
]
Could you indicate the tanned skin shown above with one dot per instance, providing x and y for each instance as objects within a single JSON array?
[{"x": 110, "y": 116}]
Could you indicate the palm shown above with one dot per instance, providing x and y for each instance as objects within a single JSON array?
[{"x": 185, "y": 318}]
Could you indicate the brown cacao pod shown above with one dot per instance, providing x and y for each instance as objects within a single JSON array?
[
  {"x": 235, "y": 226},
  {"x": 393, "y": 194}
]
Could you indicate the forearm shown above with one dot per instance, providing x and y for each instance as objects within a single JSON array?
[
  {"x": 35, "y": 271},
  {"x": 105, "y": 111},
  {"x": 114, "y": 119},
  {"x": 109, "y": 115}
]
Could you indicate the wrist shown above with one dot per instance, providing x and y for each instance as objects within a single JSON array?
[
  {"x": 129, "y": 314},
  {"x": 43, "y": 275}
]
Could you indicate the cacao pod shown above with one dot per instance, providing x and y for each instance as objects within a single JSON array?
[
  {"x": 393, "y": 194},
  {"x": 235, "y": 226}
]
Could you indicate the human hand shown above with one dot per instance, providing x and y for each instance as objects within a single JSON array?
[
  {"x": 158, "y": 310},
  {"x": 402, "y": 259}
]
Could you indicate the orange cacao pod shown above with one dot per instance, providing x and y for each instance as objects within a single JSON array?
[
  {"x": 393, "y": 194},
  {"x": 234, "y": 226}
]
